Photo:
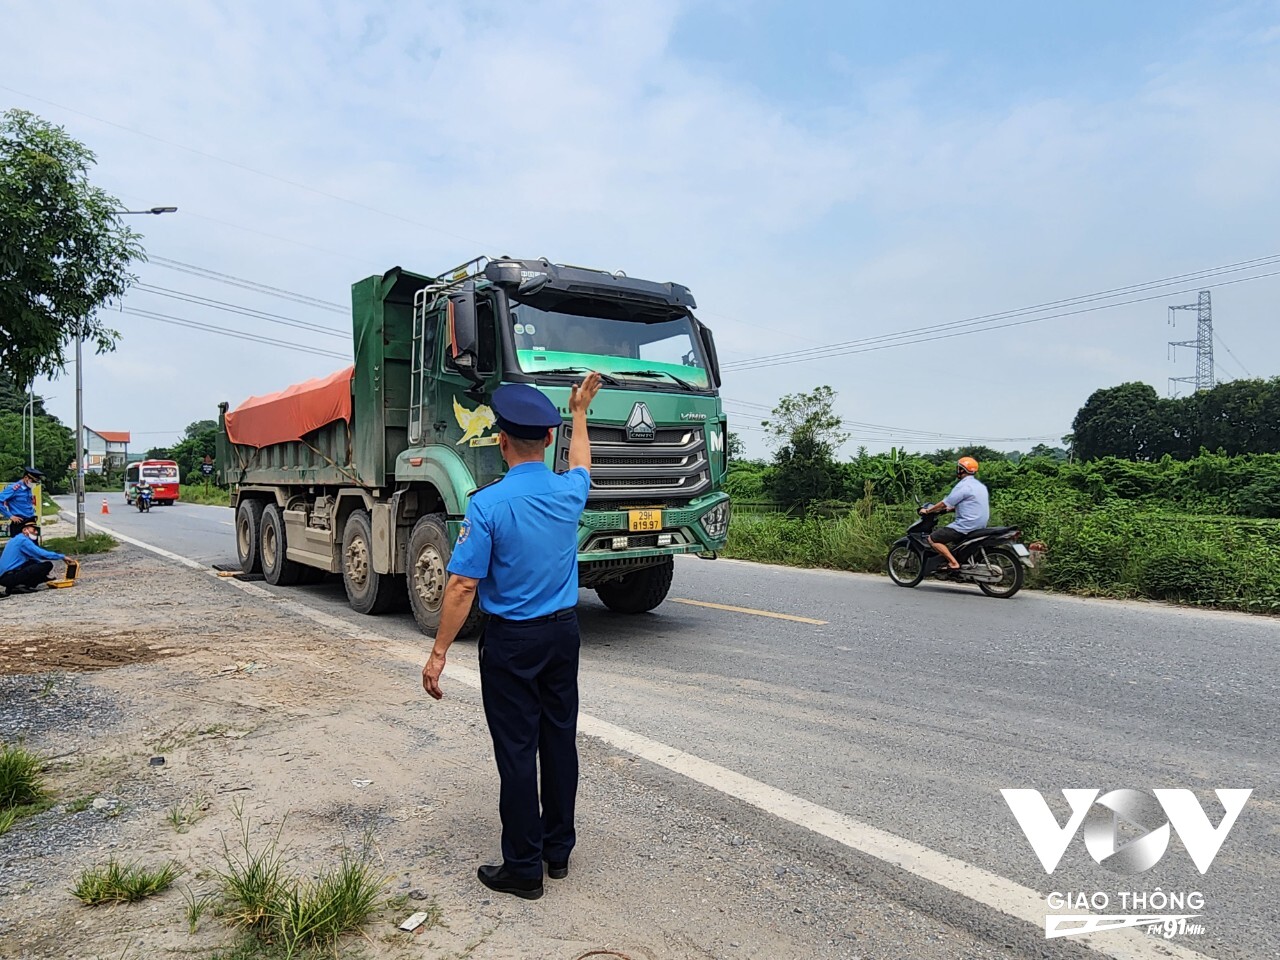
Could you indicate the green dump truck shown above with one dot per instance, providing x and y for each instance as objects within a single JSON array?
[{"x": 366, "y": 473}]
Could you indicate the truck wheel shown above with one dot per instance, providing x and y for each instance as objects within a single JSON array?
[
  {"x": 278, "y": 569},
  {"x": 367, "y": 590},
  {"x": 248, "y": 536},
  {"x": 638, "y": 592},
  {"x": 426, "y": 575}
]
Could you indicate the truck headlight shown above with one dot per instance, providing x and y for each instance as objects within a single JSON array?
[{"x": 716, "y": 521}]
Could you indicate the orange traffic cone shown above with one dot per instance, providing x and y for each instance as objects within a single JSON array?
[{"x": 105, "y": 508}]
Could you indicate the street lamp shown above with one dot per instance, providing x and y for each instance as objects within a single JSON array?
[{"x": 80, "y": 394}]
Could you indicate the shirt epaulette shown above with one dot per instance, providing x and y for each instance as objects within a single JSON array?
[{"x": 484, "y": 486}]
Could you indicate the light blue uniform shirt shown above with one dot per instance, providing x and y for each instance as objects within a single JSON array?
[
  {"x": 520, "y": 540},
  {"x": 969, "y": 500},
  {"x": 21, "y": 549},
  {"x": 16, "y": 501}
]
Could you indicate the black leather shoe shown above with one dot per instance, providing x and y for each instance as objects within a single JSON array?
[
  {"x": 496, "y": 877},
  {"x": 557, "y": 869}
]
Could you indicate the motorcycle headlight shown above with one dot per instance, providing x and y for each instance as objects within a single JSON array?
[{"x": 716, "y": 521}]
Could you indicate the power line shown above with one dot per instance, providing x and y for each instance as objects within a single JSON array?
[
  {"x": 904, "y": 433},
  {"x": 236, "y": 334},
  {"x": 242, "y": 311},
  {"x": 255, "y": 286},
  {"x": 1088, "y": 303},
  {"x": 1222, "y": 343}
]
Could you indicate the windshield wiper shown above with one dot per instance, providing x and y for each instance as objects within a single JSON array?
[
  {"x": 657, "y": 373},
  {"x": 569, "y": 371}
]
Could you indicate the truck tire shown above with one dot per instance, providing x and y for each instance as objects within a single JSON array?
[
  {"x": 426, "y": 574},
  {"x": 277, "y": 568},
  {"x": 367, "y": 590},
  {"x": 638, "y": 592},
  {"x": 248, "y": 535}
]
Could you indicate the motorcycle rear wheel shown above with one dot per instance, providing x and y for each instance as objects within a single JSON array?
[
  {"x": 905, "y": 566},
  {"x": 1013, "y": 574}
]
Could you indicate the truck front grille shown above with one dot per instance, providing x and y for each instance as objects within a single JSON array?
[{"x": 672, "y": 468}]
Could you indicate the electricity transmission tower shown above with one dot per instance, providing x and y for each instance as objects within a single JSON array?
[{"x": 1203, "y": 343}]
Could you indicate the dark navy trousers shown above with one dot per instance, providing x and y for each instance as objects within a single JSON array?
[{"x": 529, "y": 684}]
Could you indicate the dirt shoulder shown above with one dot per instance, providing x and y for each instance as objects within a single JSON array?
[{"x": 262, "y": 717}]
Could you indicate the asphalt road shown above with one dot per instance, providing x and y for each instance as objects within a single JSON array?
[{"x": 910, "y": 709}]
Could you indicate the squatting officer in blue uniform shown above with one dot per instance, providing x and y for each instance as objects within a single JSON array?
[
  {"x": 17, "y": 502},
  {"x": 518, "y": 546}
]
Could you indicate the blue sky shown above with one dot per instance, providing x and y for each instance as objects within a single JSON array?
[{"x": 815, "y": 172}]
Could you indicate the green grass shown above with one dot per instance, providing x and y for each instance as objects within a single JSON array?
[
  {"x": 79, "y": 805},
  {"x": 293, "y": 914},
  {"x": 115, "y": 882},
  {"x": 182, "y": 817},
  {"x": 195, "y": 493},
  {"x": 92, "y": 543},
  {"x": 339, "y": 901},
  {"x": 21, "y": 778},
  {"x": 1114, "y": 549}
]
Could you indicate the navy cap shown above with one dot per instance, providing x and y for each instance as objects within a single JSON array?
[
  {"x": 524, "y": 412},
  {"x": 32, "y": 472}
]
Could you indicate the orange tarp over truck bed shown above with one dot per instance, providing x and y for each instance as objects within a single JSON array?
[{"x": 293, "y": 412}]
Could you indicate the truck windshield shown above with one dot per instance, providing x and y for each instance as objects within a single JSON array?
[{"x": 629, "y": 349}]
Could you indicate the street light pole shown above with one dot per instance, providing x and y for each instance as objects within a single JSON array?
[
  {"x": 79, "y": 434},
  {"x": 80, "y": 394}
]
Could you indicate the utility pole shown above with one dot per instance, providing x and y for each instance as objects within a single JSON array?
[
  {"x": 1203, "y": 344},
  {"x": 155, "y": 211},
  {"x": 79, "y": 433}
]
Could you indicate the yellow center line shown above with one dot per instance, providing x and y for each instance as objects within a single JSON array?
[{"x": 756, "y": 613}]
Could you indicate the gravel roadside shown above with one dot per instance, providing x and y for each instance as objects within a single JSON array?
[{"x": 265, "y": 719}]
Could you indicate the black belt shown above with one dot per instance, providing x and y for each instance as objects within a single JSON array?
[{"x": 564, "y": 614}]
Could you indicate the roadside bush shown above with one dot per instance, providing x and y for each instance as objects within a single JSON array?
[
  {"x": 195, "y": 493},
  {"x": 1186, "y": 572}
]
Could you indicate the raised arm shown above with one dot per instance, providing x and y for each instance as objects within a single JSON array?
[{"x": 580, "y": 398}]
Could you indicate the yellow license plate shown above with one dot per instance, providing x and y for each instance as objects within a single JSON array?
[{"x": 644, "y": 520}]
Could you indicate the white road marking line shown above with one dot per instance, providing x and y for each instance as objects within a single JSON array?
[{"x": 971, "y": 882}]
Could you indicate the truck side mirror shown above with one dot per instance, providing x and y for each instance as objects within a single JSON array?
[
  {"x": 463, "y": 333},
  {"x": 709, "y": 344}
]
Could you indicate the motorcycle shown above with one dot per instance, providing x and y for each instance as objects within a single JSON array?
[
  {"x": 989, "y": 557},
  {"x": 142, "y": 497}
]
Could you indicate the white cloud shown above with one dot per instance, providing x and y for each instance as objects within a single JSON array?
[{"x": 571, "y": 130}]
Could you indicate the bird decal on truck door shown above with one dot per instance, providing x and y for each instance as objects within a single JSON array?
[{"x": 474, "y": 423}]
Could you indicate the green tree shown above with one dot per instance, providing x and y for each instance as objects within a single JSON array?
[
  {"x": 55, "y": 449},
  {"x": 63, "y": 252},
  {"x": 810, "y": 431},
  {"x": 734, "y": 445},
  {"x": 807, "y": 415},
  {"x": 200, "y": 439},
  {"x": 13, "y": 398},
  {"x": 1128, "y": 421},
  {"x": 1046, "y": 451}
]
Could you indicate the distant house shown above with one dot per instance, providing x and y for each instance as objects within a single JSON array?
[{"x": 105, "y": 450}]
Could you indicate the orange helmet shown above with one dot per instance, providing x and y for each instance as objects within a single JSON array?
[{"x": 966, "y": 465}]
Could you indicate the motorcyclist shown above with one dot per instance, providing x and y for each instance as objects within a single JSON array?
[
  {"x": 969, "y": 499},
  {"x": 142, "y": 490}
]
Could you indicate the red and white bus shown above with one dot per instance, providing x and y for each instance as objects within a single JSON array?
[{"x": 161, "y": 474}]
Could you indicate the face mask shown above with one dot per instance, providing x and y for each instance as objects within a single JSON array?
[{"x": 33, "y": 534}]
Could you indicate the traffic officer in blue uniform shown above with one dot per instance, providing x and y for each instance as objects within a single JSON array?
[
  {"x": 17, "y": 502},
  {"x": 518, "y": 547}
]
